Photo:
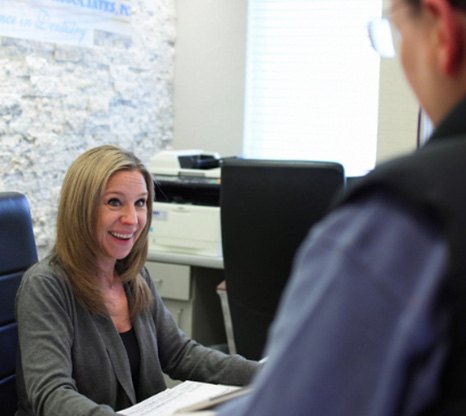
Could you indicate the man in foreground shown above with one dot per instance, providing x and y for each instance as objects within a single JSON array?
[{"x": 372, "y": 320}]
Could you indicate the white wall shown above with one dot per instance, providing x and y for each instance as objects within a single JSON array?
[
  {"x": 57, "y": 101},
  {"x": 398, "y": 110},
  {"x": 209, "y": 75},
  {"x": 209, "y": 83}
]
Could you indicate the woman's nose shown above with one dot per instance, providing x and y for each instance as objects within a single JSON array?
[{"x": 129, "y": 215}]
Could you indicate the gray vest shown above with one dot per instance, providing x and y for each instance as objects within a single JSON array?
[{"x": 432, "y": 181}]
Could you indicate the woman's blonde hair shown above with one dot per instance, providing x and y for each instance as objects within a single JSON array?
[{"x": 76, "y": 245}]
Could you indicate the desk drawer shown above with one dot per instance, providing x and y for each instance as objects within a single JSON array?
[{"x": 173, "y": 281}]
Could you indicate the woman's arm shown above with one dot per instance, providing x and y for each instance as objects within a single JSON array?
[
  {"x": 45, "y": 372},
  {"x": 185, "y": 359}
]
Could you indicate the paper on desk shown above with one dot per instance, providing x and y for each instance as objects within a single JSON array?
[{"x": 169, "y": 401}]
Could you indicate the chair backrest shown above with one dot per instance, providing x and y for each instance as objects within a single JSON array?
[
  {"x": 17, "y": 253},
  {"x": 267, "y": 207}
]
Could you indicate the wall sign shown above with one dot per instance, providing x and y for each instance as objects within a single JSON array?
[{"x": 70, "y": 22}]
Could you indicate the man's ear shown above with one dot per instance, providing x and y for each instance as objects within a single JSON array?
[{"x": 448, "y": 35}]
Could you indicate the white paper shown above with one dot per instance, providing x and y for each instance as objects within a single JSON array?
[{"x": 169, "y": 401}]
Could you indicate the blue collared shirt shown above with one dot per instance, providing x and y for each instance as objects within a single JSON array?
[{"x": 359, "y": 331}]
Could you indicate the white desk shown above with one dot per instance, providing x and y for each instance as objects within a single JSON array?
[{"x": 185, "y": 259}]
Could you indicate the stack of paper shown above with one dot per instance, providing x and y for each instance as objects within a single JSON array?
[{"x": 186, "y": 397}]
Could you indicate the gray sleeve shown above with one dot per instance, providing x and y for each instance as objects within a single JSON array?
[
  {"x": 184, "y": 359},
  {"x": 45, "y": 325}
]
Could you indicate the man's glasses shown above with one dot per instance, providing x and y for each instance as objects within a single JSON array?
[{"x": 384, "y": 37}]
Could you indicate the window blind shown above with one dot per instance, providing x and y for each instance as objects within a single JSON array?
[{"x": 312, "y": 82}]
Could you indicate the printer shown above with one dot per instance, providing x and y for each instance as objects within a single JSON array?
[{"x": 186, "y": 210}]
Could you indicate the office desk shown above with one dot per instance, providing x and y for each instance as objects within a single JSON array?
[
  {"x": 187, "y": 284},
  {"x": 186, "y": 259}
]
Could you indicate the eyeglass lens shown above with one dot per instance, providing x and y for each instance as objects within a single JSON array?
[{"x": 382, "y": 37}]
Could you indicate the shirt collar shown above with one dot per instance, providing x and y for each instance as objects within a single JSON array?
[{"x": 454, "y": 124}]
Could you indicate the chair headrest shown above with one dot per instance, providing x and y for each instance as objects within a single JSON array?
[{"x": 17, "y": 243}]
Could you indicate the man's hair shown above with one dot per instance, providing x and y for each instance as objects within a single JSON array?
[
  {"x": 461, "y": 4},
  {"x": 76, "y": 247}
]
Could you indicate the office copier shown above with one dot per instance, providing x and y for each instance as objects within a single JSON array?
[{"x": 186, "y": 213}]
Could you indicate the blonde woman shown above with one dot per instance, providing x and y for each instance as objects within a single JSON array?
[{"x": 94, "y": 335}]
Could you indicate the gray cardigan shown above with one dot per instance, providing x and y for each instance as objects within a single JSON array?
[{"x": 73, "y": 362}]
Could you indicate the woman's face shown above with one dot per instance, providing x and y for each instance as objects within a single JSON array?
[{"x": 121, "y": 215}]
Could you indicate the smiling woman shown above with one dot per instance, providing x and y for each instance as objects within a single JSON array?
[
  {"x": 121, "y": 217},
  {"x": 87, "y": 183},
  {"x": 94, "y": 334}
]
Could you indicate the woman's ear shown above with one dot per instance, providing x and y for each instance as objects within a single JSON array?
[{"x": 448, "y": 35}]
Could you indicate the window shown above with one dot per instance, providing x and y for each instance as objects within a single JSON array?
[{"x": 312, "y": 82}]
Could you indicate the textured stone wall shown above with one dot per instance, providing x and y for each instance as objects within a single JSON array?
[{"x": 57, "y": 101}]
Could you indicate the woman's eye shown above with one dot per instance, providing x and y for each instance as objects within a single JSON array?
[
  {"x": 114, "y": 202},
  {"x": 141, "y": 202}
]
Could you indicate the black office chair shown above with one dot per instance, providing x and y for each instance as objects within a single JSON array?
[
  {"x": 17, "y": 253},
  {"x": 267, "y": 207}
]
